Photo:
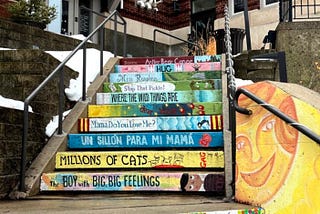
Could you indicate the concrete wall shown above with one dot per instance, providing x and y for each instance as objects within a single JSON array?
[{"x": 301, "y": 43}]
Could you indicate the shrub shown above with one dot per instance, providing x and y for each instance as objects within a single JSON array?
[{"x": 32, "y": 11}]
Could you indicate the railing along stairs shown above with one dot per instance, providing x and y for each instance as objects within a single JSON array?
[{"x": 60, "y": 71}]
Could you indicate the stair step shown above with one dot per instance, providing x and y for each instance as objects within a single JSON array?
[
  {"x": 163, "y": 76},
  {"x": 146, "y": 140},
  {"x": 160, "y": 97},
  {"x": 186, "y": 67},
  {"x": 183, "y": 85},
  {"x": 134, "y": 181},
  {"x": 155, "y": 109},
  {"x": 155, "y": 60},
  {"x": 169, "y": 59},
  {"x": 202, "y": 159},
  {"x": 167, "y": 123}
]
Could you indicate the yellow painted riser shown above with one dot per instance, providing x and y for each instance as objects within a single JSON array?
[{"x": 140, "y": 159}]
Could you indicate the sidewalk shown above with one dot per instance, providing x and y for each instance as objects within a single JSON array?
[{"x": 118, "y": 204}]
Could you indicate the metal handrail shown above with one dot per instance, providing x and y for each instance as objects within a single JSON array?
[
  {"x": 124, "y": 23},
  {"x": 303, "y": 129},
  {"x": 167, "y": 34},
  {"x": 59, "y": 69}
]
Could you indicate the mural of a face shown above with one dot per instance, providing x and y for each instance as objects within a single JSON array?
[{"x": 265, "y": 145}]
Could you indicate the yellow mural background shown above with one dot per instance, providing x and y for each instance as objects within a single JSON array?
[{"x": 298, "y": 190}]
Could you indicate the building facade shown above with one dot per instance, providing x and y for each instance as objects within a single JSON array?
[{"x": 184, "y": 19}]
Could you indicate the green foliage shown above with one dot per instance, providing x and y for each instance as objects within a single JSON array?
[{"x": 32, "y": 10}]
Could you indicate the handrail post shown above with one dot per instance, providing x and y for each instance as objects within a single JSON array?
[
  {"x": 61, "y": 99},
  {"x": 115, "y": 36},
  {"x": 101, "y": 33},
  {"x": 84, "y": 73},
  {"x": 290, "y": 10},
  {"x": 125, "y": 40},
  {"x": 154, "y": 42},
  {"x": 22, "y": 186}
]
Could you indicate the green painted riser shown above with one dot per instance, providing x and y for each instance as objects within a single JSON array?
[
  {"x": 150, "y": 159},
  {"x": 134, "y": 181},
  {"x": 155, "y": 109},
  {"x": 163, "y": 76},
  {"x": 160, "y": 97},
  {"x": 183, "y": 85}
]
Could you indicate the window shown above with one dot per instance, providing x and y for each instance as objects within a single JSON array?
[
  {"x": 238, "y": 6},
  {"x": 271, "y": 1},
  {"x": 202, "y": 5}
]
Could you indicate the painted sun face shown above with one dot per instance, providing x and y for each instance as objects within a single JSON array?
[{"x": 265, "y": 146}]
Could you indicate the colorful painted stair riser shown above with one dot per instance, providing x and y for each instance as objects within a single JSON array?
[
  {"x": 167, "y": 123},
  {"x": 146, "y": 140},
  {"x": 163, "y": 76},
  {"x": 134, "y": 181},
  {"x": 160, "y": 97},
  {"x": 187, "y": 67},
  {"x": 140, "y": 159},
  {"x": 257, "y": 210},
  {"x": 169, "y": 60},
  {"x": 155, "y": 109},
  {"x": 183, "y": 85}
]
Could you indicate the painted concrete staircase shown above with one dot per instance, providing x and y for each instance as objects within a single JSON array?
[{"x": 156, "y": 126}]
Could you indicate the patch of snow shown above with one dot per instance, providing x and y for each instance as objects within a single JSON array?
[
  {"x": 241, "y": 82},
  {"x": 53, "y": 124},
  {"x": 13, "y": 104},
  {"x": 79, "y": 37},
  {"x": 74, "y": 92}
]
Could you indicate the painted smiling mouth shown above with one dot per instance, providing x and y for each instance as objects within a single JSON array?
[{"x": 260, "y": 176}]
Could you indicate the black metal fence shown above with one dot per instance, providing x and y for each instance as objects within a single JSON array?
[{"x": 294, "y": 10}]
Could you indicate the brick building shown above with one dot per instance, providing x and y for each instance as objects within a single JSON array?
[{"x": 180, "y": 18}]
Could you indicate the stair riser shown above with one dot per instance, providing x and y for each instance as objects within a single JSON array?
[
  {"x": 140, "y": 159},
  {"x": 156, "y": 109},
  {"x": 169, "y": 123},
  {"x": 146, "y": 140},
  {"x": 134, "y": 181},
  {"x": 169, "y": 60},
  {"x": 160, "y": 97},
  {"x": 162, "y": 86},
  {"x": 163, "y": 76},
  {"x": 156, "y": 60},
  {"x": 188, "y": 67}
]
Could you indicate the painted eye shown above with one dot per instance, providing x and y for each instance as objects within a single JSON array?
[
  {"x": 268, "y": 125},
  {"x": 191, "y": 187},
  {"x": 240, "y": 145},
  {"x": 191, "y": 177}
]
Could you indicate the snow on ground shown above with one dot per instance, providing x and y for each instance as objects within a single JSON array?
[{"x": 74, "y": 92}]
